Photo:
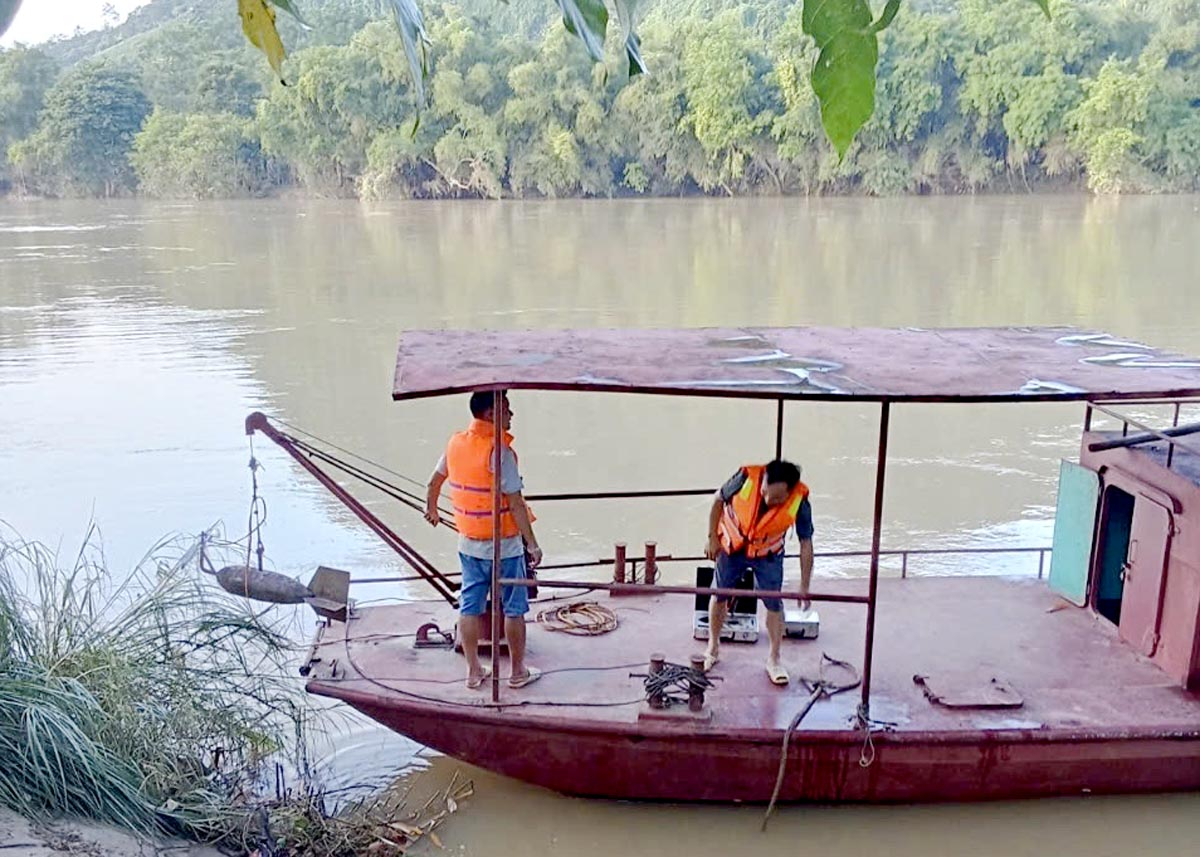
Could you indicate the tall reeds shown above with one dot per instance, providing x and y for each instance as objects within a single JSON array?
[{"x": 148, "y": 701}]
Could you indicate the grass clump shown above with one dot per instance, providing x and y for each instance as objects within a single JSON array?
[{"x": 150, "y": 703}]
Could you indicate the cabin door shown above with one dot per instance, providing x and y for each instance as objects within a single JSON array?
[
  {"x": 1074, "y": 526},
  {"x": 1143, "y": 573}
]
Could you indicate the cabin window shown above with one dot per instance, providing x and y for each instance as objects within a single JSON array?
[{"x": 1116, "y": 520}]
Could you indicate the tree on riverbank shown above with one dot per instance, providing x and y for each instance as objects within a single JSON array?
[
  {"x": 84, "y": 135},
  {"x": 25, "y": 77},
  {"x": 974, "y": 96}
]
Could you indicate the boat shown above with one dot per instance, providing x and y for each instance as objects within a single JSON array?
[{"x": 971, "y": 686}]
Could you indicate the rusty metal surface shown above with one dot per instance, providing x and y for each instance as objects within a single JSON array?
[
  {"x": 1095, "y": 714},
  {"x": 1071, "y": 669},
  {"x": 971, "y": 364},
  {"x": 711, "y": 766}
]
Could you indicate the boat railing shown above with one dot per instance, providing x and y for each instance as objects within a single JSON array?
[
  {"x": 635, "y": 562},
  {"x": 1175, "y": 436}
]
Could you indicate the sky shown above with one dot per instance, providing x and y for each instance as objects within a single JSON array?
[{"x": 39, "y": 20}]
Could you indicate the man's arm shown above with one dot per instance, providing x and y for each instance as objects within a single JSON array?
[
  {"x": 804, "y": 531},
  {"x": 520, "y": 513},
  {"x": 806, "y": 566},
  {"x": 433, "y": 491},
  {"x": 713, "y": 545}
]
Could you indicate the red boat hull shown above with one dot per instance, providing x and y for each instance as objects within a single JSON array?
[{"x": 821, "y": 768}]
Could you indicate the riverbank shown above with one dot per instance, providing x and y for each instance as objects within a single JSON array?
[{"x": 78, "y": 837}]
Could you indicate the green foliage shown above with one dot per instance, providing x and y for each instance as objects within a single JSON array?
[
  {"x": 559, "y": 143},
  {"x": 843, "y": 76},
  {"x": 223, "y": 86},
  {"x": 86, "y": 130},
  {"x": 198, "y": 156},
  {"x": 724, "y": 67},
  {"x": 970, "y": 96},
  {"x": 340, "y": 98},
  {"x": 26, "y": 74}
]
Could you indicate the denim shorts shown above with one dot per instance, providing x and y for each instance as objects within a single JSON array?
[
  {"x": 768, "y": 574},
  {"x": 477, "y": 583}
]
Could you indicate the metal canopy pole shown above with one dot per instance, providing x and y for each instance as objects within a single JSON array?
[
  {"x": 779, "y": 431},
  {"x": 497, "y": 449},
  {"x": 864, "y": 711}
]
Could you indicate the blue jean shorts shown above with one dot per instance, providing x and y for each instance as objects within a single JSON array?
[
  {"x": 768, "y": 574},
  {"x": 477, "y": 583}
]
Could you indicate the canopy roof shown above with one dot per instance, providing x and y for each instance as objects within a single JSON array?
[{"x": 872, "y": 364}]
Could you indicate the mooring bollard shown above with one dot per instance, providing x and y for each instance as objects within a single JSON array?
[
  {"x": 619, "y": 562},
  {"x": 657, "y": 663}
]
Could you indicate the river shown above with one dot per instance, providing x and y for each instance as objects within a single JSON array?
[{"x": 135, "y": 337}]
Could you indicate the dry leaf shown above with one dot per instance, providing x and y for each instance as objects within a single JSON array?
[
  {"x": 407, "y": 829},
  {"x": 433, "y": 837},
  {"x": 258, "y": 23},
  {"x": 451, "y": 804}
]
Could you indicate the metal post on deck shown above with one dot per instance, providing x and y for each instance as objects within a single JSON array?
[
  {"x": 497, "y": 451},
  {"x": 779, "y": 431},
  {"x": 1170, "y": 444},
  {"x": 864, "y": 711}
]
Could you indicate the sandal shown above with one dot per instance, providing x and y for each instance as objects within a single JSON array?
[
  {"x": 474, "y": 682},
  {"x": 778, "y": 674},
  {"x": 531, "y": 675}
]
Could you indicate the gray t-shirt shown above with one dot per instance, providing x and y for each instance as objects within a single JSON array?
[{"x": 510, "y": 483}]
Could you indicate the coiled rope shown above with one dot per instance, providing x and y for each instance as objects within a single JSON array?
[{"x": 579, "y": 618}]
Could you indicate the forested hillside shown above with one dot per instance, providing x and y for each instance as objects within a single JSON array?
[{"x": 978, "y": 95}]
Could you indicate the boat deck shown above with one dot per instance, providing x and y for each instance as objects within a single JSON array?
[{"x": 1067, "y": 665}]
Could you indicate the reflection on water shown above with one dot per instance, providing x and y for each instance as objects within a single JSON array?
[{"x": 134, "y": 338}]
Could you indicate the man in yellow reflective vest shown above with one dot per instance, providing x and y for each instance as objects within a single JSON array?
[
  {"x": 747, "y": 526},
  {"x": 467, "y": 467}
]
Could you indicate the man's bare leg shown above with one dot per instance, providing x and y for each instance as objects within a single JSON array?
[
  {"x": 469, "y": 629},
  {"x": 775, "y": 626},
  {"x": 514, "y": 630},
  {"x": 717, "y": 611}
]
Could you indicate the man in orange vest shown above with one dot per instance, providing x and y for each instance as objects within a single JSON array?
[
  {"x": 467, "y": 466},
  {"x": 747, "y": 525}
]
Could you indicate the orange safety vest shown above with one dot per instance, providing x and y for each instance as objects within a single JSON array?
[
  {"x": 743, "y": 528},
  {"x": 469, "y": 456}
]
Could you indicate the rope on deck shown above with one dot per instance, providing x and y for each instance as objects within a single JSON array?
[
  {"x": 579, "y": 618},
  {"x": 674, "y": 684},
  {"x": 819, "y": 688}
]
